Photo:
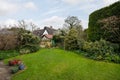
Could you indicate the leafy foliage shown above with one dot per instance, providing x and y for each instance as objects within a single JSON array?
[
  {"x": 73, "y": 35},
  {"x": 94, "y": 30},
  {"x": 8, "y": 54},
  {"x": 14, "y": 69},
  {"x": 29, "y": 43},
  {"x": 58, "y": 40},
  {"x": 100, "y": 50},
  {"x": 81, "y": 37},
  {"x": 71, "y": 40}
]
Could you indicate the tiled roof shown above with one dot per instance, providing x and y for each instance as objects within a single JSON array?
[
  {"x": 48, "y": 36},
  {"x": 41, "y": 31},
  {"x": 49, "y": 30},
  {"x": 38, "y": 32}
]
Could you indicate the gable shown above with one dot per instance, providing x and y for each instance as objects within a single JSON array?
[
  {"x": 44, "y": 38},
  {"x": 45, "y": 32}
]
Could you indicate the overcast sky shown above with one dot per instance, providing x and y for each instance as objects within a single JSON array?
[{"x": 48, "y": 12}]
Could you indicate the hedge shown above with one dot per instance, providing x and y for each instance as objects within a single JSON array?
[{"x": 94, "y": 30}]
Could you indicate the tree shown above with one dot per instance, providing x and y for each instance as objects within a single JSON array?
[
  {"x": 22, "y": 24},
  {"x": 72, "y": 22},
  {"x": 28, "y": 41},
  {"x": 33, "y": 26},
  {"x": 70, "y": 42},
  {"x": 80, "y": 36}
]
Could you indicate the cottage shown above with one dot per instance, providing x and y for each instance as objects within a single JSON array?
[{"x": 46, "y": 35}]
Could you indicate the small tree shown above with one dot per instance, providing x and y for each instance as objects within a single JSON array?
[
  {"x": 70, "y": 42},
  {"x": 72, "y": 22},
  {"x": 28, "y": 41}
]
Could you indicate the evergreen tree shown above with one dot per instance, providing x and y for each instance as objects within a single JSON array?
[{"x": 70, "y": 42}]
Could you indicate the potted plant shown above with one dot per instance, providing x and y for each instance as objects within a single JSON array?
[
  {"x": 14, "y": 69},
  {"x": 21, "y": 66}
]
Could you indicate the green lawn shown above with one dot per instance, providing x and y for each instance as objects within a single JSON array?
[{"x": 56, "y": 64}]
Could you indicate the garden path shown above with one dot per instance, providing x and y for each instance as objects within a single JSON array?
[{"x": 4, "y": 71}]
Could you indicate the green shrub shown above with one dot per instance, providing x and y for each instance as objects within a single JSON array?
[
  {"x": 71, "y": 41},
  {"x": 8, "y": 54},
  {"x": 100, "y": 50},
  {"x": 29, "y": 43},
  {"x": 29, "y": 48},
  {"x": 115, "y": 58},
  {"x": 116, "y": 48},
  {"x": 14, "y": 69},
  {"x": 27, "y": 38},
  {"x": 58, "y": 41}
]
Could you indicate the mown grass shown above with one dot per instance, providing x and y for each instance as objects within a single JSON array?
[{"x": 56, "y": 64}]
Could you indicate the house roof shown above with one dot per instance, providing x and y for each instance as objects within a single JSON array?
[
  {"x": 40, "y": 32},
  {"x": 48, "y": 36},
  {"x": 49, "y": 30}
]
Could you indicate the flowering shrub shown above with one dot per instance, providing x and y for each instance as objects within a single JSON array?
[{"x": 14, "y": 62}]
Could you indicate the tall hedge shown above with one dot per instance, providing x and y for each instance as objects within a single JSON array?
[{"x": 94, "y": 30}]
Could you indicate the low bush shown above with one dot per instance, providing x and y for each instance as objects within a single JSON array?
[
  {"x": 115, "y": 58},
  {"x": 8, "y": 54},
  {"x": 29, "y": 43},
  {"x": 29, "y": 48},
  {"x": 58, "y": 41},
  {"x": 101, "y": 50},
  {"x": 14, "y": 69}
]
